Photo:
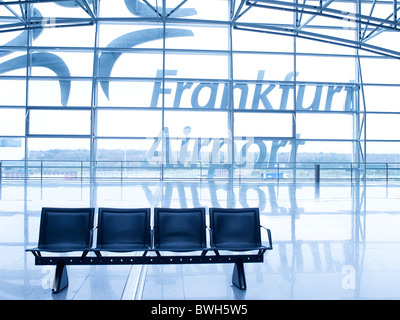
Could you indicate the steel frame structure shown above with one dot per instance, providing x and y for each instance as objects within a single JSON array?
[
  {"x": 26, "y": 21},
  {"x": 305, "y": 26}
]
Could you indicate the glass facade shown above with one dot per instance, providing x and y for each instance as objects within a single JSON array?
[{"x": 199, "y": 88}]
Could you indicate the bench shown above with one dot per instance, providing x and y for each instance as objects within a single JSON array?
[{"x": 178, "y": 236}]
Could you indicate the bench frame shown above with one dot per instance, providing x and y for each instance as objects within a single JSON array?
[{"x": 61, "y": 262}]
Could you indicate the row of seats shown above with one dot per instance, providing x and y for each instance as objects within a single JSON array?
[{"x": 125, "y": 230}]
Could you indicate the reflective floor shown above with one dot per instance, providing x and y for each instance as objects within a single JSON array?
[{"x": 333, "y": 240}]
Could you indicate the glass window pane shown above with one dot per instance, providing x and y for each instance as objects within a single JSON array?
[
  {"x": 59, "y": 122},
  {"x": 124, "y": 36},
  {"x": 129, "y": 123},
  {"x": 13, "y": 92},
  {"x": 198, "y": 65},
  {"x": 63, "y": 64},
  {"x": 66, "y": 37},
  {"x": 202, "y": 38},
  {"x": 14, "y": 39},
  {"x": 324, "y": 126},
  {"x": 324, "y": 151},
  {"x": 383, "y": 126},
  {"x": 12, "y": 63},
  {"x": 60, "y": 93},
  {"x": 125, "y": 149},
  {"x": 263, "y": 124},
  {"x": 12, "y": 122},
  {"x": 129, "y": 94},
  {"x": 58, "y": 149},
  {"x": 380, "y": 98},
  {"x": 115, "y": 8},
  {"x": 202, "y": 9},
  {"x": 263, "y": 67},
  {"x": 196, "y": 124},
  {"x": 64, "y": 9},
  {"x": 12, "y": 149},
  {"x": 254, "y": 41},
  {"x": 380, "y": 70},
  {"x": 122, "y": 64},
  {"x": 382, "y": 151},
  {"x": 325, "y": 69}
]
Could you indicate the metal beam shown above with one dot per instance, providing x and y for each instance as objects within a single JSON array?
[
  {"x": 45, "y": 24},
  {"x": 366, "y": 26},
  {"x": 20, "y": 2},
  {"x": 85, "y": 7},
  {"x": 326, "y": 12},
  {"x": 326, "y": 4},
  {"x": 318, "y": 37},
  {"x": 237, "y": 14},
  {"x": 152, "y": 8},
  {"x": 377, "y": 30},
  {"x": 13, "y": 12},
  {"x": 177, "y": 7}
]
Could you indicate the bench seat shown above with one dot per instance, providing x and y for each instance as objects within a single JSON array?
[{"x": 179, "y": 236}]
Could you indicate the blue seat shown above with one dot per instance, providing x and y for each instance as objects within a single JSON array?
[
  {"x": 235, "y": 229},
  {"x": 179, "y": 229},
  {"x": 123, "y": 230},
  {"x": 65, "y": 229}
]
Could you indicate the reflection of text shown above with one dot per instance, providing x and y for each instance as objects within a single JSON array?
[
  {"x": 349, "y": 278},
  {"x": 263, "y": 195},
  {"x": 214, "y": 152}
]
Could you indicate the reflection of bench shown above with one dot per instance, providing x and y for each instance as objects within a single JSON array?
[{"x": 233, "y": 234}]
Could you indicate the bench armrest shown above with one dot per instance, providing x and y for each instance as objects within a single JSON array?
[{"x": 269, "y": 236}]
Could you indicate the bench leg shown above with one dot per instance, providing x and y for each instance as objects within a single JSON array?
[
  {"x": 238, "y": 276},
  {"x": 60, "y": 277}
]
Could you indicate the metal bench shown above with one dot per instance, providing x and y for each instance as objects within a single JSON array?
[{"x": 179, "y": 236}]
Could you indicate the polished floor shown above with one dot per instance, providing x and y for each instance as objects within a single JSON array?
[{"x": 332, "y": 241}]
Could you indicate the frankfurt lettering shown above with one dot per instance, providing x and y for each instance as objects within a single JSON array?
[{"x": 250, "y": 95}]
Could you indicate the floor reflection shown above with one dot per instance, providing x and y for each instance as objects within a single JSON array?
[{"x": 332, "y": 240}]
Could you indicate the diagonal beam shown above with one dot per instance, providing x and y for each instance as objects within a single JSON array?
[
  {"x": 39, "y": 24},
  {"x": 232, "y": 9},
  {"x": 366, "y": 26},
  {"x": 177, "y": 7},
  {"x": 378, "y": 29},
  {"x": 13, "y": 12},
  {"x": 298, "y": 22},
  {"x": 318, "y": 37},
  {"x": 85, "y": 7},
  {"x": 326, "y": 4},
  {"x": 327, "y": 12},
  {"x": 152, "y": 8},
  {"x": 20, "y": 2},
  {"x": 236, "y": 16}
]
